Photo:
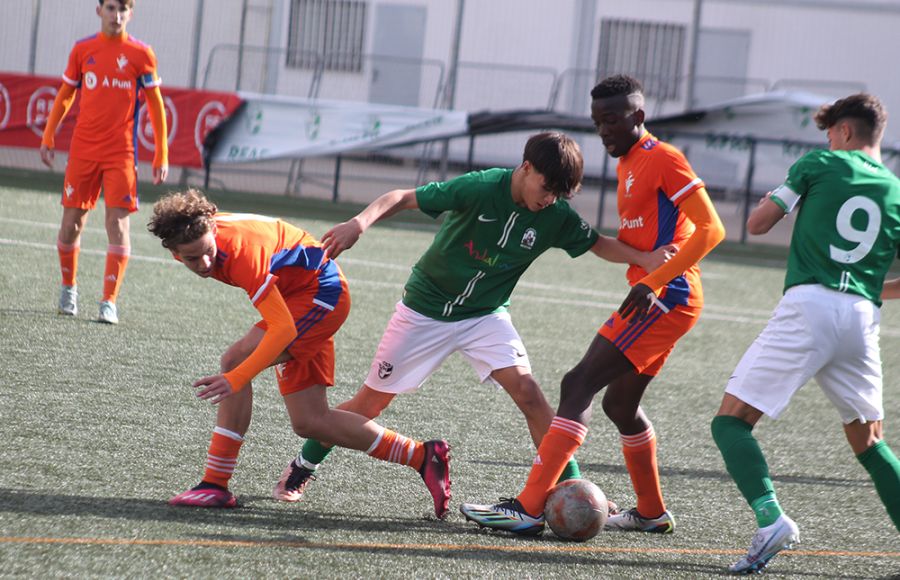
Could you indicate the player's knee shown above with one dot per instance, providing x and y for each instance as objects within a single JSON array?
[
  {"x": 573, "y": 383},
  {"x": 528, "y": 395},
  {"x": 307, "y": 427},
  {"x": 617, "y": 411}
]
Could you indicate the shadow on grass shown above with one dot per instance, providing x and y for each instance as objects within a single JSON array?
[{"x": 700, "y": 474}]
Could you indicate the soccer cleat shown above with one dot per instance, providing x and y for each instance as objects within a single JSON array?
[
  {"x": 108, "y": 313},
  {"x": 435, "y": 472},
  {"x": 294, "y": 480},
  {"x": 508, "y": 515},
  {"x": 205, "y": 496},
  {"x": 767, "y": 542},
  {"x": 631, "y": 520},
  {"x": 68, "y": 300}
]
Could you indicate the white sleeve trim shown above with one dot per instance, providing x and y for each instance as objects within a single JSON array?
[
  {"x": 69, "y": 81},
  {"x": 262, "y": 289},
  {"x": 787, "y": 196},
  {"x": 686, "y": 188}
]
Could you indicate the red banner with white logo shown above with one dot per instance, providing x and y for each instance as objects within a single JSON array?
[{"x": 26, "y": 102}]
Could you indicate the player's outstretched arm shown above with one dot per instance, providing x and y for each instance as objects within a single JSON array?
[
  {"x": 614, "y": 250},
  {"x": 766, "y": 214},
  {"x": 280, "y": 331},
  {"x": 61, "y": 105},
  {"x": 344, "y": 235},
  {"x": 891, "y": 290}
]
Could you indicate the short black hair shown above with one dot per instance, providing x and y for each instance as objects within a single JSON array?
[
  {"x": 558, "y": 158},
  {"x": 617, "y": 85},
  {"x": 863, "y": 107}
]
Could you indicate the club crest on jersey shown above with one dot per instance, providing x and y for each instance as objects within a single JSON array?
[
  {"x": 385, "y": 369},
  {"x": 122, "y": 61},
  {"x": 629, "y": 181},
  {"x": 90, "y": 80},
  {"x": 279, "y": 370},
  {"x": 529, "y": 238},
  {"x": 69, "y": 190}
]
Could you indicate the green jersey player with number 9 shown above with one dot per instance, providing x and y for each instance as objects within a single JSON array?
[{"x": 826, "y": 325}]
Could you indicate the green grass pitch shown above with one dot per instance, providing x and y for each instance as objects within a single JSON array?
[{"x": 100, "y": 426}]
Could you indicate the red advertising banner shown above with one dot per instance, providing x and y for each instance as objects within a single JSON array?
[{"x": 26, "y": 101}]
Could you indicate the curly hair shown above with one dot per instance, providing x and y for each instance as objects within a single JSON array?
[
  {"x": 617, "y": 85},
  {"x": 864, "y": 108},
  {"x": 181, "y": 218},
  {"x": 558, "y": 158}
]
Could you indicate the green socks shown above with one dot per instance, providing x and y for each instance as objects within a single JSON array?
[
  {"x": 884, "y": 469},
  {"x": 312, "y": 454},
  {"x": 747, "y": 466},
  {"x": 572, "y": 471}
]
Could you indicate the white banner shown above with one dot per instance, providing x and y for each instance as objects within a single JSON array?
[{"x": 273, "y": 127}]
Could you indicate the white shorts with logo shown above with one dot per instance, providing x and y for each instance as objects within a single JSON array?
[
  {"x": 821, "y": 333},
  {"x": 414, "y": 346}
]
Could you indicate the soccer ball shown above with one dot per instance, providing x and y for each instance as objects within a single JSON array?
[{"x": 576, "y": 509}]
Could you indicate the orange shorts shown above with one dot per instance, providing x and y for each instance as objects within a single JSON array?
[
  {"x": 85, "y": 179},
  {"x": 313, "y": 349},
  {"x": 647, "y": 344}
]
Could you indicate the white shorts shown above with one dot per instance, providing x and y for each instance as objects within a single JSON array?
[
  {"x": 821, "y": 333},
  {"x": 414, "y": 346}
]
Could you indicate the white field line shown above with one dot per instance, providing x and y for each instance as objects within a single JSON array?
[{"x": 710, "y": 312}]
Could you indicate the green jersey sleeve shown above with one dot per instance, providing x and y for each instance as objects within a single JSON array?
[
  {"x": 576, "y": 236},
  {"x": 454, "y": 195}
]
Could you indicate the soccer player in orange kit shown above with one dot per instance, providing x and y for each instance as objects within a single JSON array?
[
  {"x": 661, "y": 201},
  {"x": 303, "y": 299},
  {"x": 108, "y": 68}
]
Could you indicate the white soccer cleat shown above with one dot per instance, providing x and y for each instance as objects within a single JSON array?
[
  {"x": 108, "y": 313},
  {"x": 508, "y": 515},
  {"x": 68, "y": 300},
  {"x": 631, "y": 520},
  {"x": 767, "y": 542}
]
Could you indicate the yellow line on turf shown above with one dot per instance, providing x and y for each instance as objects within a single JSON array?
[{"x": 581, "y": 548}]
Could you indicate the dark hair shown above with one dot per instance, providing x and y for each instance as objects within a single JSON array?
[
  {"x": 125, "y": 3},
  {"x": 866, "y": 109},
  {"x": 617, "y": 85},
  {"x": 181, "y": 218},
  {"x": 558, "y": 158}
]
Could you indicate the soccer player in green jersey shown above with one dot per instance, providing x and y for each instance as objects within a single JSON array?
[
  {"x": 826, "y": 325},
  {"x": 497, "y": 223}
]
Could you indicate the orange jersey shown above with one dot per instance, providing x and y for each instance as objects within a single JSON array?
[
  {"x": 251, "y": 250},
  {"x": 654, "y": 179},
  {"x": 109, "y": 72}
]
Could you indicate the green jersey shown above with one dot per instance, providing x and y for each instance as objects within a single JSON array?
[
  {"x": 484, "y": 245},
  {"x": 848, "y": 227}
]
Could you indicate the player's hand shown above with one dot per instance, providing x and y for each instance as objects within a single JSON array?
[
  {"x": 636, "y": 304},
  {"x": 47, "y": 156},
  {"x": 341, "y": 237},
  {"x": 160, "y": 174},
  {"x": 658, "y": 257},
  {"x": 213, "y": 389}
]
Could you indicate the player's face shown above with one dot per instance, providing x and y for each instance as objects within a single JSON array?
[
  {"x": 199, "y": 256},
  {"x": 114, "y": 17},
  {"x": 619, "y": 122},
  {"x": 535, "y": 194}
]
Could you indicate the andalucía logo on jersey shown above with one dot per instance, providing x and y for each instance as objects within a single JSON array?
[
  {"x": 384, "y": 369},
  {"x": 529, "y": 238}
]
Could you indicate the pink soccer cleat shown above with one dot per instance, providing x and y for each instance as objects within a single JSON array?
[
  {"x": 209, "y": 497},
  {"x": 435, "y": 472}
]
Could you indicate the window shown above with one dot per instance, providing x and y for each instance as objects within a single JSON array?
[
  {"x": 649, "y": 51},
  {"x": 331, "y": 30}
]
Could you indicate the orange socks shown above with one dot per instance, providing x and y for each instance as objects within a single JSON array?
[
  {"x": 116, "y": 262},
  {"x": 68, "y": 261},
  {"x": 393, "y": 447},
  {"x": 640, "y": 459},
  {"x": 222, "y": 456},
  {"x": 558, "y": 446}
]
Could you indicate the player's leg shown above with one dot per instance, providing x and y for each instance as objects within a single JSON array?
[
  {"x": 866, "y": 440},
  {"x": 120, "y": 192},
  {"x": 233, "y": 415},
  {"x": 81, "y": 189},
  {"x": 602, "y": 364},
  {"x": 525, "y": 392},
  {"x": 621, "y": 403}
]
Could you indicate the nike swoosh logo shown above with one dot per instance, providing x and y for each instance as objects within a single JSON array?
[{"x": 481, "y": 218}]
